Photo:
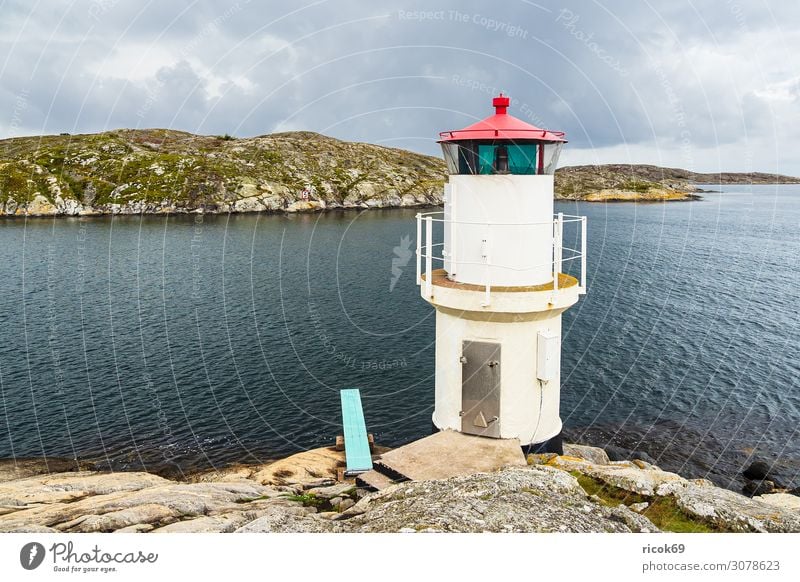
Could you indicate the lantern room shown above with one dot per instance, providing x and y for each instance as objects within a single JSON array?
[{"x": 501, "y": 144}]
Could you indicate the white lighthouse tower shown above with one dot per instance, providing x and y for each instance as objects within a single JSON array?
[{"x": 491, "y": 264}]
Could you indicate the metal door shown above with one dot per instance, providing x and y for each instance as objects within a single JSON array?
[{"x": 480, "y": 388}]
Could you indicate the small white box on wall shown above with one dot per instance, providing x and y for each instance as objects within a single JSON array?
[{"x": 548, "y": 348}]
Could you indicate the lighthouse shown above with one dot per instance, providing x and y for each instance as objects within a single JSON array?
[{"x": 492, "y": 264}]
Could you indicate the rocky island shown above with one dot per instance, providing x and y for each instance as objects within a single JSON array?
[
  {"x": 580, "y": 491},
  {"x": 159, "y": 171}
]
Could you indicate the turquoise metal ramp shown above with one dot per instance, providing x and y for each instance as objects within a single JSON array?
[{"x": 356, "y": 443}]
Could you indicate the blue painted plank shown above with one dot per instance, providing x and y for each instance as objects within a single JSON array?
[{"x": 356, "y": 445}]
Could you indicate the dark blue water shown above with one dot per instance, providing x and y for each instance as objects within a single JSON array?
[{"x": 173, "y": 343}]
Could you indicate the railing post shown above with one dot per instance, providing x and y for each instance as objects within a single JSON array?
[
  {"x": 452, "y": 248},
  {"x": 583, "y": 254},
  {"x": 428, "y": 257},
  {"x": 419, "y": 248},
  {"x": 556, "y": 250},
  {"x": 560, "y": 241}
]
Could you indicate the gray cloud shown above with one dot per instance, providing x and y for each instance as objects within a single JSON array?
[{"x": 684, "y": 83}]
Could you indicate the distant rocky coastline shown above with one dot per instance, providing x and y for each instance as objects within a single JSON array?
[
  {"x": 580, "y": 491},
  {"x": 164, "y": 172}
]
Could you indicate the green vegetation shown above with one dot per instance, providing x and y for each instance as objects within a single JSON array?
[
  {"x": 308, "y": 500},
  {"x": 662, "y": 511},
  {"x": 191, "y": 171},
  {"x": 637, "y": 186}
]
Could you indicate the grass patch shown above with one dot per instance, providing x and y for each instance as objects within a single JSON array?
[
  {"x": 308, "y": 500},
  {"x": 637, "y": 186},
  {"x": 662, "y": 511}
]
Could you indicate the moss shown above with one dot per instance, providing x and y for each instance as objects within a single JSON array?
[
  {"x": 635, "y": 185},
  {"x": 664, "y": 512},
  {"x": 15, "y": 182},
  {"x": 307, "y": 499}
]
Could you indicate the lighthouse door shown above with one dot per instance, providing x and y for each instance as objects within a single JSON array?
[{"x": 480, "y": 388}]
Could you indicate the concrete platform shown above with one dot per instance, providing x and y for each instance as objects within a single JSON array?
[{"x": 448, "y": 454}]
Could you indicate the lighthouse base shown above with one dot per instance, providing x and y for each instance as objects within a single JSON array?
[{"x": 552, "y": 445}]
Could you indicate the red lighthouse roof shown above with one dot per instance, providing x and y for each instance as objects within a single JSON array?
[{"x": 501, "y": 125}]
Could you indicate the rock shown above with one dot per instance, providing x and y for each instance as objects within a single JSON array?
[
  {"x": 757, "y": 471},
  {"x": 137, "y": 497},
  {"x": 783, "y": 500},
  {"x": 304, "y": 206},
  {"x": 515, "y": 499},
  {"x": 327, "y": 514},
  {"x": 359, "y": 508},
  {"x": 68, "y": 206},
  {"x": 616, "y": 453},
  {"x": 594, "y": 455},
  {"x": 332, "y": 491},
  {"x": 30, "y": 529},
  {"x": 623, "y": 475},
  {"x": 760, "y": 470},
  {"x": 250, "y": 204},
  {"x": 753, "y": 488},
  {"x": 319, "y": 483},
  {"x": 66, "y": 487},
  {"x": 231, "y": 473},
  {"x": 40, "y": 206},
  {"x": 138, "y": 528},
  {"x": 526, "y": 498},
  {"x": 540, "y": 458},
  {"x": 280, "y": 519},
  {"x": 147, "y": 513},
  {"x": 731, "y": 511},
  {"x": 224, "y": 523},
  {"x": 643, "y": 456},
  {"x": 346, "y": 504},
  {"x": 643, "y": 464},
  {"x": 302, "y": 467},
  {"x": 12, "y": 469}
]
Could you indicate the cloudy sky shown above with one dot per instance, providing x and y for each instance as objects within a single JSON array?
[{"x": 696, "y": 84}]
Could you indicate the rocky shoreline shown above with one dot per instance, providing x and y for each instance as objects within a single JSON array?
[
  {"x": 164, "y": 172},
  {"x": 580, "y": 491},
  {"x": 41, "y": 207}
]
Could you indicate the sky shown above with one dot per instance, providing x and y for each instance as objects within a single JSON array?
[{"x": 702, "y": 85}]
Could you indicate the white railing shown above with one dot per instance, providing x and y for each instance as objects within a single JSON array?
[{"x": 427, "y": 249}]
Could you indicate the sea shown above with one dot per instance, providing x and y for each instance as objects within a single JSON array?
[{"x": 180, "y": 343}]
